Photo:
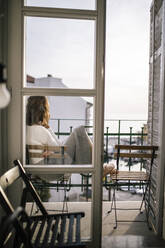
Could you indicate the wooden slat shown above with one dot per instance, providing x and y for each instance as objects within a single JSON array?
[
  {"x": 47, "y": 148},
  {"x": 78, "y": 238},
  {"x": 39, "y": 234},
  {"x": 34, "y": 226},
  {"x": 55, "y": 231},
  {"x": 134, "y": 155},
  {"x": 131, "y": 175},
  {"x": 40, "y": 155},
  {"x": 9, "y": 177},
  {"x": 135, "y": 147},
  {"x": 62, "y": 231},
  {"x": 47, "y": 233},
  {"x": 70, "y": 231}
]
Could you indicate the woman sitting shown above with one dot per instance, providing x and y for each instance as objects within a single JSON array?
[{"x": 38, "y": 132}]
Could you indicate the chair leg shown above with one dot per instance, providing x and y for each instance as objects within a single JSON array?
[
  {"x": 115, "y": 210},
  {"x": 147, "y": 211},
  {"x": 143, "y": 199},
  {"x": 143, "y": 202},
  {"x": 113, "y": 203},
  {"x": 65, "y": 204}
]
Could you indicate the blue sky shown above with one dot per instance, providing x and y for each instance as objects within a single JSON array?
[{"x": 65, "y": 49}]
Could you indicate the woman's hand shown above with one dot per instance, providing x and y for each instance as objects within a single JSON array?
[{"x": 46, "y": 154}]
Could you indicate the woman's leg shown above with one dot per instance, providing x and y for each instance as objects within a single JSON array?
[{"x": 79, "y": 146}]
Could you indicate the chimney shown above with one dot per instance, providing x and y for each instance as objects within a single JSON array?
[{"x": 30, "y": 79}]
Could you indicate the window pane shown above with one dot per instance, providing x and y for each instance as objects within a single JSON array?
[
  {"x": 66, "y": 117},
  {"x": 70, "y": 4},
  {"x": 55, "y": 121},
  {"x": 59, "y": 52}
]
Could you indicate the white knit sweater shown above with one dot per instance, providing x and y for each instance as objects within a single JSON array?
[{"x": 39, "y": 135}]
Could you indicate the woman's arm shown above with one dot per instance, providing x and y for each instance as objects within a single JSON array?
[{"x": 54, "y": 137}]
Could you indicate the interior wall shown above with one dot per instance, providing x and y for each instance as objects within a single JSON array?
[
  {"x": 0, "y": 61},
  {"x": 3, "y": 112}
]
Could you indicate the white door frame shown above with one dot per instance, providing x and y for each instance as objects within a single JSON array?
[{"x": 16, "y": 115}]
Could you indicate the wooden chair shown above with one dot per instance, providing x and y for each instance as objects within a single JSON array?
[
  {"x": 49, "y": 152},
  {"x": 39, "y": 151},
  {"x": 130, "y": 178},
  {"x": 44, "y": 230}
]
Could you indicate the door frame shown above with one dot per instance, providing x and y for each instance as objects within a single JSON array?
[{"x": 16, "y": 115}]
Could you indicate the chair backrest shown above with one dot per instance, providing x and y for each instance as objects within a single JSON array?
[
  {"x": 40, "y": 151},
  {"x": 135, "y": 151},
  {"x": 5, "y": 181},
  {"x": 8, "y": 179}
]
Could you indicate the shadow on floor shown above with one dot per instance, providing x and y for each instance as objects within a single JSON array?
[
  {"x": 132, "y": 235},
  {"x": 132, "y": 241}
]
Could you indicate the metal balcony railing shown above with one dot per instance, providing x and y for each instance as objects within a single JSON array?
[
  {"x": 135, "y": 132},
  {"x": 115, "y": 132}
]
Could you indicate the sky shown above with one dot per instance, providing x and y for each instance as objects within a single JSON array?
[
  {"x": 127, "y": 58},
  {"x": 65, "y": 49}
]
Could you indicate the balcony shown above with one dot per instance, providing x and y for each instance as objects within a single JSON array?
[
  {"x": 76, "y": 194},
  {"x": 116, "y": 132}
]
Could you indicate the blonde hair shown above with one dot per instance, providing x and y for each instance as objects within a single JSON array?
[{"x": 37, "y": 111}]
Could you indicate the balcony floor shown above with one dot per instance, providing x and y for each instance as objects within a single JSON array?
[{"x": 126, "y": 228}]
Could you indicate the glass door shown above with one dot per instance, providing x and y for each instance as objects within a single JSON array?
[{"x": 60, "y": 58}]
